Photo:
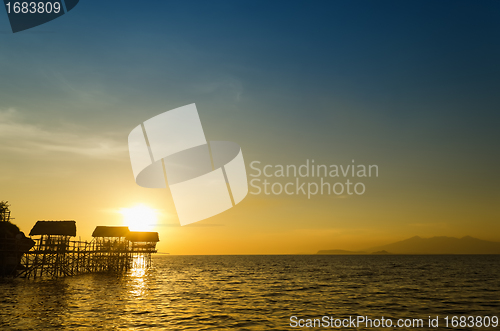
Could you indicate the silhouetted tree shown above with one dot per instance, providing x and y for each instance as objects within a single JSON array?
[
  {"x": 4, "y": 208},
  {"x": 7, "y": 229}
]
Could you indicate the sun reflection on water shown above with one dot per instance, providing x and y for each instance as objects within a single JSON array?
[{"x": 138, "y": 275}]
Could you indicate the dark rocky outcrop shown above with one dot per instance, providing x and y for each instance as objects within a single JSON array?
[{"x": 13, "y": 244}]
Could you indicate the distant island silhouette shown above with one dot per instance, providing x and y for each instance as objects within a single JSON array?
[{"x": 434, "y": 245}]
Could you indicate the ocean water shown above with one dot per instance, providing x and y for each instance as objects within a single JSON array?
[{"x": 257, "y": 293}]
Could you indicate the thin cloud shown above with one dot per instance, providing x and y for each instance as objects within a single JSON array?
[
  {"x": 226, "y": 84},
  {"x": 192, "y": 225},
  {"x": 20, "y": 136}
]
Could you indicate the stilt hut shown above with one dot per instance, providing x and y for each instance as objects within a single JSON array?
[
  {"x": 52, "y": 240},
  {"x": 143, "y": 245},
  {"x": 111, "y": 248}
]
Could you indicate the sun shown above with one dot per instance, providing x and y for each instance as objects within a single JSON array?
[{"x": 139, "y": 218}]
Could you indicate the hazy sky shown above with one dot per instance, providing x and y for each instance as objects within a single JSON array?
[{"x": 411, "y": 86}]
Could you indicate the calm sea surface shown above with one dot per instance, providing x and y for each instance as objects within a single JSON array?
[{"x": 256, "y": 293}]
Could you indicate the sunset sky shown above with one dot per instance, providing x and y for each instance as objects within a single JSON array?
[{"x": 412, "y": 87}]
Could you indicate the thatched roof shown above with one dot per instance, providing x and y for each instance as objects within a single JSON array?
[
  {"x": 111, "y": 231},
  {"x": 63, "y": 228},
  {"x": 135, "y": 236}
]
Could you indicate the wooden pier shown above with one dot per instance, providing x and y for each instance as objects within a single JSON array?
[{"x": 54, "y": 252}]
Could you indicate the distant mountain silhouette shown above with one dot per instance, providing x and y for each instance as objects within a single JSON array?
[
  {"x": 339, "y": 252},
  {"x": 440, "y": 245},
  {"x": 381, "y": 253}
]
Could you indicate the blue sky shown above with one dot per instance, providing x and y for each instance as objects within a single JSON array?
[{"x": 411, "y": 86}]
